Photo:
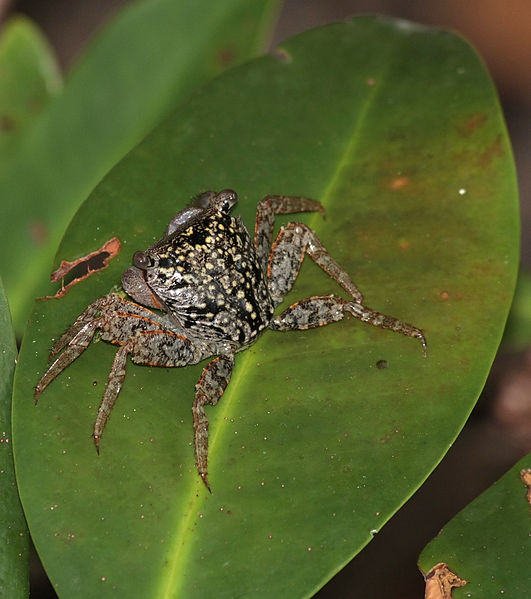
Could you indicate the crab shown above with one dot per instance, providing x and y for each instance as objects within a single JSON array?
[{"x": 208, "y": 290}]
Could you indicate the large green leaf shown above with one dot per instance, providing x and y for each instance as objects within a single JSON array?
[
  {"x": 488, "y": 543},
  {"x": 14, "y": 576},
  {"x": 397, "y": 130},
  {"x": 146, "y": 60}
]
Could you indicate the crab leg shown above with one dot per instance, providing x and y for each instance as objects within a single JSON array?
[
  {"x": 82, "y": 320},
  {"x": 292, "y": 243},
  {"x": 118, "y": 320},
  {"x": 154, "y": 347},
  {"x": 208, "y": 391},
  {"x": 265, "y": 219},
  {"x": 321, "y": 310},
  {"x": 112, "y": 389},
  {"x": 76, "y": 346},
  {"x": 377, "y": 319}
]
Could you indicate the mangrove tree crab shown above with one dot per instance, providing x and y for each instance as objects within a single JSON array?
[{"x": 215, "y": 291}]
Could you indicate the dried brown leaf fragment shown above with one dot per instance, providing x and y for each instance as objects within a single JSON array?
[
  {"x": 83, "y": 267},
  {"x": 440, "y": 581}
]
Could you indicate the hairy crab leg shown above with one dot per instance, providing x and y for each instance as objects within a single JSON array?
[
  {"x": 265, "y": 219},
  {"x": 321, "y": 310},
  {"x": 154, "y": 347},
  {"x": 112, "y": 389},
  {"x": 76, "y": 346},
  {"x": 208, "y": 391},
  {"x": 101, "y": 314},
  {"x": 104, "y": 305},
  {"x": 87, "y": 316},
  {"x": 383, "y": 321},
  {"x": 292, "y": 243}
]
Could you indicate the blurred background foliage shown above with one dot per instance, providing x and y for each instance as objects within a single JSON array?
[{"x": 499, "y": 432}]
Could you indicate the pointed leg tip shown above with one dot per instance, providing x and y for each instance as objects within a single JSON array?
[
  {"x": 204, "y": 478},
  {"x": 424, "y": 345},
  {"x": 97, "y": 443}
]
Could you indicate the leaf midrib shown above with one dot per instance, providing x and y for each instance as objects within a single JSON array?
[{"x": 181, "y": 548}]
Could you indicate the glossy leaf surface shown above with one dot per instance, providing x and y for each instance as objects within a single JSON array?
[
  {"x": 14, "y": 567},
  {"x": 314, "y": 446},
  {"x": 148, "y": 58},
  {"x": 489, "y": 543}
]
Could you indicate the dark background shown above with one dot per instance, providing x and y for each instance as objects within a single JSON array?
[{"x": 499, "y": 431}]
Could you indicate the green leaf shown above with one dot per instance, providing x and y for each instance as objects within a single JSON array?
[
  {"x": 142, "y": 64},
  {"x": 14, "y": 577},
  {"x": 488, "y": 542},
  {"x": 29, "y": 78},
  {"x": 517, "y": 336},
  {"x": 396, "y": 128}
]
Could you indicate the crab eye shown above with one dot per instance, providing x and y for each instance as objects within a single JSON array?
[
  {"x": 226, "y": 199},
  {"x": 140, "y": 260}
]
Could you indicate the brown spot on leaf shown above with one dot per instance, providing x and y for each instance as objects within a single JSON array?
[
  {"x": 84, "y": 267},
  {"x": 525, "y": 475},
  {"x": 7, "y": 123},
  {"x": 493, "y": 151},
  {"x": 38, "y": 232},
  {"x": 226, "y": 56},
  {"x": 399, "y": 183},
  {"x": 472, "y": 123},
  {"x": 440, "y": 581}
]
